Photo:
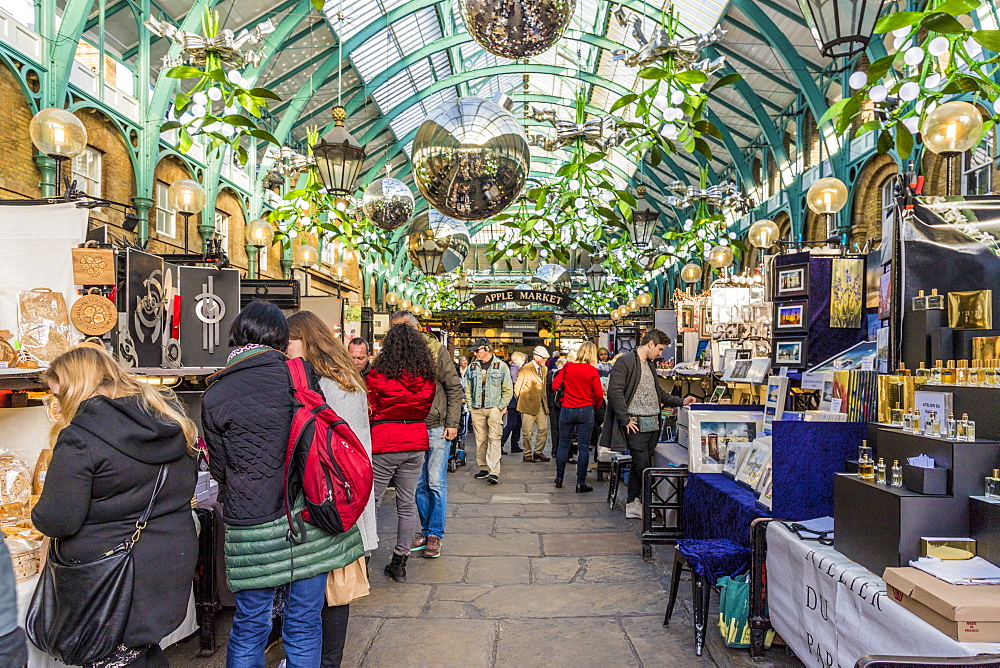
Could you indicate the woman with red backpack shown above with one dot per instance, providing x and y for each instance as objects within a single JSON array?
[{"x": 401, "y": 388}]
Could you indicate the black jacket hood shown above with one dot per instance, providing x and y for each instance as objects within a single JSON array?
[{"x": 126, "y": 426}]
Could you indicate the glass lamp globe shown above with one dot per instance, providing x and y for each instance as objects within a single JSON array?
[
  {"x": 57, "y": 132},
  {"x": 405, "y": 304},
  {"x": 417, "y": 309},
  {"x": 391, "y": 298},
  {"x": 720, "y": 257},
  {"x": 614, "y": 314},
  {"x": 633, "y": 305},
  {"x": 259, "y": 233},
  {"x": 645, "y": 299},
  {"x": 186, "y": 196},
  {"x": 339, "y": 269},
  {"x": 305, "y": 255},
  {"x": 763, "y": 233},
  {"x": 827, "y": 195},
  {"x": 691, "y": 273},
  {"x": 427, "y": 313},
  {"x": 952, "y": 128}
]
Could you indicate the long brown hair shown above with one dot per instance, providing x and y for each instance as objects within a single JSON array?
[
  {"x": 88, "y": 369},
  {"x": 328, "y": 356}
]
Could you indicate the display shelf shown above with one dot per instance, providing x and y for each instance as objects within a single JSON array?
[
  {"x": 984, "y": 526},
  {"x": 979, "y": 402},
  {"x": 20, "y": 379}
]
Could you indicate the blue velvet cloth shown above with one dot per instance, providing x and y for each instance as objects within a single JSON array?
[
  {"x": 717, "y": 507},
  {"x": 715, "y": 557}
]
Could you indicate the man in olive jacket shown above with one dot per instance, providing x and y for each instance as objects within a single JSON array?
[
  {"x": 442, "y": 428},
  {"x": 635, "y": 399}
]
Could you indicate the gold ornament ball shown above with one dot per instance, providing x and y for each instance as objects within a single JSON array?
[
  {"x": 952, "y": 128},
  {"x": 827, "y": 195},
  {"x": 720, "y": 257},
  {"x": 305, "y": 255},
  {"x": 645, "y": 299},
  {"x": 58, "y": 132},
  {"x": 763, "y": 233},
  {"x": 517, "y": 28},
  {"x": 470, "y": 158},
  {"x": 391, "y": 298},
  {"x": 259, "y": 233},
  {"x": 691, "y": 273}
]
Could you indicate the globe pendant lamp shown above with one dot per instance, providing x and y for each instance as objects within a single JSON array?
[
  {"x": 841, "y": 27},
  {"x": 187, "y": 198},
  {"x": 58, "y": 134},
  {"x": 339, "y": 157},
  {"x": 951, "y": 129},
  {"x": 644, "y": 219},
  {"x": 690, "y": 273},
  {"x": 763, "y": 234},
  {"x": 826, "y": 197}
]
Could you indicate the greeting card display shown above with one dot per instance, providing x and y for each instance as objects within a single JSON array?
[
  {"x": 142, "y": 342},
  {"x": 209, "y": 302}
]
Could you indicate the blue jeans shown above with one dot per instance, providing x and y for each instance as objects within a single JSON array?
[
  {"x": 581, "y": 422},
  {"x": 302, "y": 632},
  {"x": 432, "y": 490}
]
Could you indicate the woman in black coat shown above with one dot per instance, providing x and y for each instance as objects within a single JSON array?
[{"x": 111, "y": 439}]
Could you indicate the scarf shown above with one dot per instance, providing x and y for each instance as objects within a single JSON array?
[{"x": 243, "y": 352}]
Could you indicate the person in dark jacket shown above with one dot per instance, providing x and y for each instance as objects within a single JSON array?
[
  {"x": 112, "y": 437},
  {"x": 246, "y": 415},
  {"x": 13, "y": 649},
  {"x": 401, "y": 389},
  {"x": 512, "y": 426},
  {"x": 632, "y": 419}
]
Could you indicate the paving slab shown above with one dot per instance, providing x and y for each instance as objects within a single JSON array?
[
  {"x": 620, "y": 568},
  {"x": 461, "y": 592},
  {"x": 521, "y": 498},
  {"x": 581, "y": 599},
  {"x": 555, "y": 570},
  {"x": 492, "y": 510},
  {"x": 498, "y": 571},
  {"x": 399, "y": 600},
  {"x": 555, "y": 525},
  {"x": 468, "y": 525},
  {"x": 446, "y": 569},
  {"x": 360, "y": 633},
  {"x": 479, "y": 545},
  {"x": 505, "y": 487},
  {"x": 665, "y": 647},
  {"x": 590, "y": 543},
  {"x": 432, "y": 642},
  {"x": 563, "y": 642}
]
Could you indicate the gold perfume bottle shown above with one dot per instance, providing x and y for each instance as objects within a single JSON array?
[
  {"x": 866, "y": 470},
  {"x": 897, "y": 474},
  {"x": 952, "y": 426},
  {"x": 880, "y": 472},
  {"x": 932, "y": 426},
  {"x": 962, "y": 373},
  {"x": 936, "y": 373},
  {"x": 948, "y": 373},
  {"x": 897, "y": 416},
  {"x": 976, "y": 374},
  {"x": 915, "y": 423},
  {"x": 934, "y": 301},
  {"x": 960, "y": 430},
  {"x": 922, "y": 371},
  {"x": 970, "y": 430},
  {"x": 992, "y": 374},
  {"x": 920, "y": 301}
]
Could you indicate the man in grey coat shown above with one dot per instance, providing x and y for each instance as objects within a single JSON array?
[
  {"x": 442, "y": 428},
  {"x": 13, "y": 650}
]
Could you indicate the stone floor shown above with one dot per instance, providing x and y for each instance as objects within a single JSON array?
[{"x": 529, "y": 576}]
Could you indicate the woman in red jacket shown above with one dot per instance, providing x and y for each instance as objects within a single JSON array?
[
  {"x": 582, "y": 395},
  {"x": 401, "y": 388}
]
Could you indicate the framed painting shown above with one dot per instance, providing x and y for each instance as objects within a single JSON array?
[
  {"x": 791, "y": 316},
  {"x": 847, "y": 292},
  {"x": 712, "y": 433},
  {"x": 789, "y": 352},
  {"x": 791, "y": 281}
]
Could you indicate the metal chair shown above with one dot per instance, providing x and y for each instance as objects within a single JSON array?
[
  {"x": 881, "y": 661},
  {"x": 662, "y": 507},
  {"x": 620, "y": 465}
]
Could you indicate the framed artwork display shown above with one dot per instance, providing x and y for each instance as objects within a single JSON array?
[
  {"x": 755, "y": 465},
  {"x": 789, "y": 352},
  {"x": 774, "y": 403},
  {"x": 141, "y": 344},
  {"x": 791, "y": 316},
  {"x": 687, "y": 318},
  {"x": 705, "y": 322},
  {"x": 847, "y": 292},
  {"x": 712, "y": 433},
  {"x": 791, "y": 281}
]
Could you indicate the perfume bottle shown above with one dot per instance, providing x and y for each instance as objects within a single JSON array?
[
  {"x": 864, "y": 451},
  {"x": 915, "y": 423},
  {"x": 962, "y": 373},
  {"x": 970, "y": 430},
  {"x": 931, "y": 426},
  {"x": 897, "y": 416},
  {"x": 948, "y": 373},
  {"x": 936, "y": 373},
  {"x": 934, "y": 301},
  {"x": 880, "y": 472},
  {"x": 976, "y": 374},
  {"x": 897, "y": 474},
  {"x": 991, "y": 374},
  {"x": 908, "y": 422},
  {"x": 922, "y": 372},
  {"x": 962, "y": 424},
  {"x": 993, "y": 485},
  {"x": 952, "y": 426},
  {"x": 920, "y": 301},
  {"x": 866, "y": 470}
]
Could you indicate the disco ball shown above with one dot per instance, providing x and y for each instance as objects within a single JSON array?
[
  {"x": 522, "y": 286},
  {"x": 553, "y": 277},
  {"x": 437, "y": 244},
  {"x": 388, "y": 203},
  {"x": 517, "y": 28},
  {"x": 470, "y": 159}
]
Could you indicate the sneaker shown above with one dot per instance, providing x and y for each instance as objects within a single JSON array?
[
  {"x": 633, "y": 510},
  {"x": 419, "y": 543},
  {"x": 481, "y": 475},
  {"x": 493, "y": 479},
  {"x": 433, "y": 550}
]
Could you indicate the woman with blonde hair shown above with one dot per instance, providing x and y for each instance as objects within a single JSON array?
[
  {"x": 117, "y": 444},
  {"x": 582, "y": 396},
  {"x": 345, "y": 392}
]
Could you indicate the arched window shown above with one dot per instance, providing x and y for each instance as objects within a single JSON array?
[{"x": 791, "y": 147}]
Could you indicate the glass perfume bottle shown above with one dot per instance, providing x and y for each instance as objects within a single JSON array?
[
  {"x": 936, "y": 373},
  {"x": 897, "y": 474},
  {"x": 962, "y": 373},
  {"x": 970, "y": 430},
  {"x": 915, "y": 423},
  {"x": 934, "y": 301},
  {"x": 952, "y": 426},
  {"x": 962, "y": 424},
  {"x": 897, "y": 415},
  {"x": 991, "y": 374},
  {"x": 908, "y": 421},
  {"x": 932, "y": 427},
  {"x": 948, "y": 373},
  {"x": 880, "y": 471},
  {"x": 993, "y": 486},
  {"x": 866, "y": 469},
  {"x": 864, "y": 450},
  {"x": 922, "y": 372},
  {"x": 920, "y": 301}
]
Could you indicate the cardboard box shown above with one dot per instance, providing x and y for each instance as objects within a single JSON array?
[{"x": 967, "y": 613}]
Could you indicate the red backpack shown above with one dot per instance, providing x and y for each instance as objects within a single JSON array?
[{"x": 326, "y": 461}]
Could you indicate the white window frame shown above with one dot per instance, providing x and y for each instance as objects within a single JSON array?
[
  {"x": 262, "y": 259},
  {"x": 981, "y": 171},
  {"x": 222, "y": 228},
  {"x": 86, "y": 168},
  {"x": 166, "y": 217}
]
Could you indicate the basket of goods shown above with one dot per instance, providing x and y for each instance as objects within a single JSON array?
[
  {"x": 24, "y": 556},
  {"x": 15, "y": 479}
]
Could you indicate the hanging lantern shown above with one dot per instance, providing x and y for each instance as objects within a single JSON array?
[
  {"x": 827, "y": 196},
  {"x": 841, "y": 27},
  {"x": 763, "y": 234},
  {"x": 388, "y": 203},
  {"x": 305, "y": 255},
  {"x": 339, "y": 157},
  {"x": 644, "y": 220},
  {"x": 463, "y": 289},
  {"x": 691, "y": 273},
  {"x": 952, "y": 128},
  {"x": 721, "y": 257},
  {"x": 597, "y": 277}
]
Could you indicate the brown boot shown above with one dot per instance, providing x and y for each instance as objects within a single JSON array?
[
  {"x": 528, "y": 458},
  {"x": 539, "y": 457},
  {"x": 433, "y": 550}
]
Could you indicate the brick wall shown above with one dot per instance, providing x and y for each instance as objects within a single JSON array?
[
  {"x": 18, "y": 174},
  {"x": 866, "y": 213},
  {"x": 117, "y": 178}
]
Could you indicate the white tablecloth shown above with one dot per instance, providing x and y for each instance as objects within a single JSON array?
[
  {"x": 38, "y": 659},
  {"x": 832, "y": 611}
]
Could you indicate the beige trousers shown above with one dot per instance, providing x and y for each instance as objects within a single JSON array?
[
  {"x": 534, "y": 446},
  {"x": 487, "y": 423}
]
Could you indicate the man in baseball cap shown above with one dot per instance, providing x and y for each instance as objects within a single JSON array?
[{"x": 488, "y": 390}]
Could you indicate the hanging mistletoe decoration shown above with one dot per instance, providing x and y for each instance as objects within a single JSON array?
[
  {"x": 937, "y": 56},
  {"x": 218, "y": 107}
]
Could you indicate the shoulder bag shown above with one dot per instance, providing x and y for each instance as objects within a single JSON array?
[{"x": 79, "y": 611}]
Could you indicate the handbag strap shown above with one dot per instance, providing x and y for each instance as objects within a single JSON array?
[{"x": 140, "y": 524}]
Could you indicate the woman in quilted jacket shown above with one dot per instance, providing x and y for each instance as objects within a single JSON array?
[{"x": 401, "y": 388}]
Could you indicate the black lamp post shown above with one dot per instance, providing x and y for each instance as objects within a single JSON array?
[{"x": 841, "y": 27}]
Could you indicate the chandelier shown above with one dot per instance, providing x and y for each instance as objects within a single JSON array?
[
  {"x": 195, "y": 48},
  {"x": 662, "y": 42}
]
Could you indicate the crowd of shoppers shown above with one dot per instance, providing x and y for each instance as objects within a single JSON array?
[{"x": 124, "y": 448}]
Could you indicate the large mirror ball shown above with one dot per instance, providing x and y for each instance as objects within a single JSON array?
[
  {"x": 470, "y": 159},
  {"x": 517, "y": 28},
  {"x": 437, "y": 243}
]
